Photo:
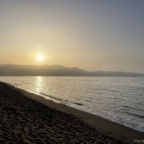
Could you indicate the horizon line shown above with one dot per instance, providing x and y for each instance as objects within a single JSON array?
[{"x": 77, "y": 68}]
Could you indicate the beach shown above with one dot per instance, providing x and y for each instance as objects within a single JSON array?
[{"x": 28, "y": 118}]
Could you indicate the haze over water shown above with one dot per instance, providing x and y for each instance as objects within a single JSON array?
[{"x": 119, "y": 99}]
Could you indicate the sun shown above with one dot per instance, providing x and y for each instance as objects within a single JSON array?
[{"x": 39, "y": 57}]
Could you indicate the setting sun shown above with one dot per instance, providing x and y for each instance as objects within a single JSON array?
[{"x": 39, "y": 57}]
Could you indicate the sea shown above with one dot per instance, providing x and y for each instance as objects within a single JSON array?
[{"x": 118, "y": 99}]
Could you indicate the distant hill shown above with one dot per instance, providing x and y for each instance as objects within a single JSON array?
[{"x": 55, "y": 70}]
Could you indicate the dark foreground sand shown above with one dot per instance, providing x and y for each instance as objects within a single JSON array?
[{"x": 26, "y": 118}]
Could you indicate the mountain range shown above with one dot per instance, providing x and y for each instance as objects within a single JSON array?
[{"x": 56, "y": 70}]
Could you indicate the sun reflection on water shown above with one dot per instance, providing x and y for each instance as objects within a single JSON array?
[{"x": 38, "y": 84}]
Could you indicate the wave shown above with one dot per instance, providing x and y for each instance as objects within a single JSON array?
[
  {"x": 52, "y": 97},
  {"x": 133, "y": 108},
  {"x": 136, "y": 115},
  {"x": 80, "y": 104},
  {"x": 61, "y": 100}
]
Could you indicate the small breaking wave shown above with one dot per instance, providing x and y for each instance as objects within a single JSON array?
[
  {"x": 136, "y": 115},
  {"x": 52, "y": 97},
  {"x": 80, "y": 104}
]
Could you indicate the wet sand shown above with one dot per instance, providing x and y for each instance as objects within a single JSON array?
[{"x": 28, "y": 118}]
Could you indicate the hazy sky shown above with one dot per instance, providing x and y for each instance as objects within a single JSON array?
[{"x": 89, "y": 34}]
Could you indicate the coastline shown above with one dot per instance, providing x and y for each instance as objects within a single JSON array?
[{"x": 99, "y": 126}]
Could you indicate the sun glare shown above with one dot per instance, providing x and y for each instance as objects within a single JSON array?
[{"x": 39, "y": 57}]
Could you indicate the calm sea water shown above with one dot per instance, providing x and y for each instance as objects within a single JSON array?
[{"x": 119, "y": 99}]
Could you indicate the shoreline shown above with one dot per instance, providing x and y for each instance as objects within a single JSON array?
[{"x": 102, "y": 125}]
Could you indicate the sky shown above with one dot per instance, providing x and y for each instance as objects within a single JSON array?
[{"x": 92, "y": 35}]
